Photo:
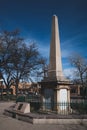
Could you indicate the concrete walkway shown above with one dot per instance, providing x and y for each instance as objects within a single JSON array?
[{"x": 7, "y": 123}]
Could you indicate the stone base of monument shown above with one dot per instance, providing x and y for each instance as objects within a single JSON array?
[
  {"x": 22, "y": 107},
  {"x": 18, "y": 108},
  {"x": 40, "y": 118}
]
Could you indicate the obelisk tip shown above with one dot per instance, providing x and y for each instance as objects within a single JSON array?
[{"x": 54, "y": 15}]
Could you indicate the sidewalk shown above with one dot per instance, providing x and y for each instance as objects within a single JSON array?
[{"x": 7, "y": 123}]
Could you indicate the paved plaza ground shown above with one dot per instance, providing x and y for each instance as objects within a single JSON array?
[{"x": 8, "y": 123}]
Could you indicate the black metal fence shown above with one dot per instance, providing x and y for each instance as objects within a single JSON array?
[
  {"x": 36, "y": 105},
  {"x": 7, "y": 97},
  {"x": 66, "y": 108},
  {"x": 75, "y": 107},
  {"x": 79, "y": 107}
]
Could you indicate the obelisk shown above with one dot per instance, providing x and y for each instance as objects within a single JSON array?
[
  {"x": 55, "y": 88},
  {"x": 55, "y": 65}
]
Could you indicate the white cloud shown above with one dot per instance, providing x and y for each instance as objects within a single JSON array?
[
  {"x": 74, "y": 44},
  {"x": 69, "y": 72},
  {"x": 44, "y": 50}
]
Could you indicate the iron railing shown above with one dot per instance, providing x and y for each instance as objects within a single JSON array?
[{"x": 74, "y": 107}]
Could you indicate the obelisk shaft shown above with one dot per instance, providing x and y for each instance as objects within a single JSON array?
[{"x": 55, "y": 66}]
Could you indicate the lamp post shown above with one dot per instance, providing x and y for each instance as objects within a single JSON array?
[{"x": 1, "y": 86}]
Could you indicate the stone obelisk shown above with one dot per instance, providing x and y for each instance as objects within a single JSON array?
[
  {"x": 55, "y": 66},
  {"x": 55, "y": 88}
]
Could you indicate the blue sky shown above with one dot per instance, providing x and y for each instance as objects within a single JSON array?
[{"x": 34, "y": 18}]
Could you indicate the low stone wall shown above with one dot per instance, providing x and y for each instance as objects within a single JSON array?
[
  {"x": 57, "y": 121},
  {"x": 46, "y": 119}
]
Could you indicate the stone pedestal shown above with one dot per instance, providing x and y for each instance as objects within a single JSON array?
[
  {"x": 56, "y": 96},
  {"x": 62, "y": 99}
]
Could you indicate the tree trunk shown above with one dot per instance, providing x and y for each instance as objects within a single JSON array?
[
  {"x": 16, "y": 90},
  {"x": 17, "y": 83},
  {"x": 7, "y": 93}
]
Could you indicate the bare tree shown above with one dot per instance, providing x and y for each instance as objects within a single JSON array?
[
  {"x": 8, "y": 42},
  {"x": 80, "y": 74},
  {"x": 18, "y": 60},
  {"x": 43, "y": 72}
]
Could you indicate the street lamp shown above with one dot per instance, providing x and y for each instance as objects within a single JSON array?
[{"x": 1, "y": 83}]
